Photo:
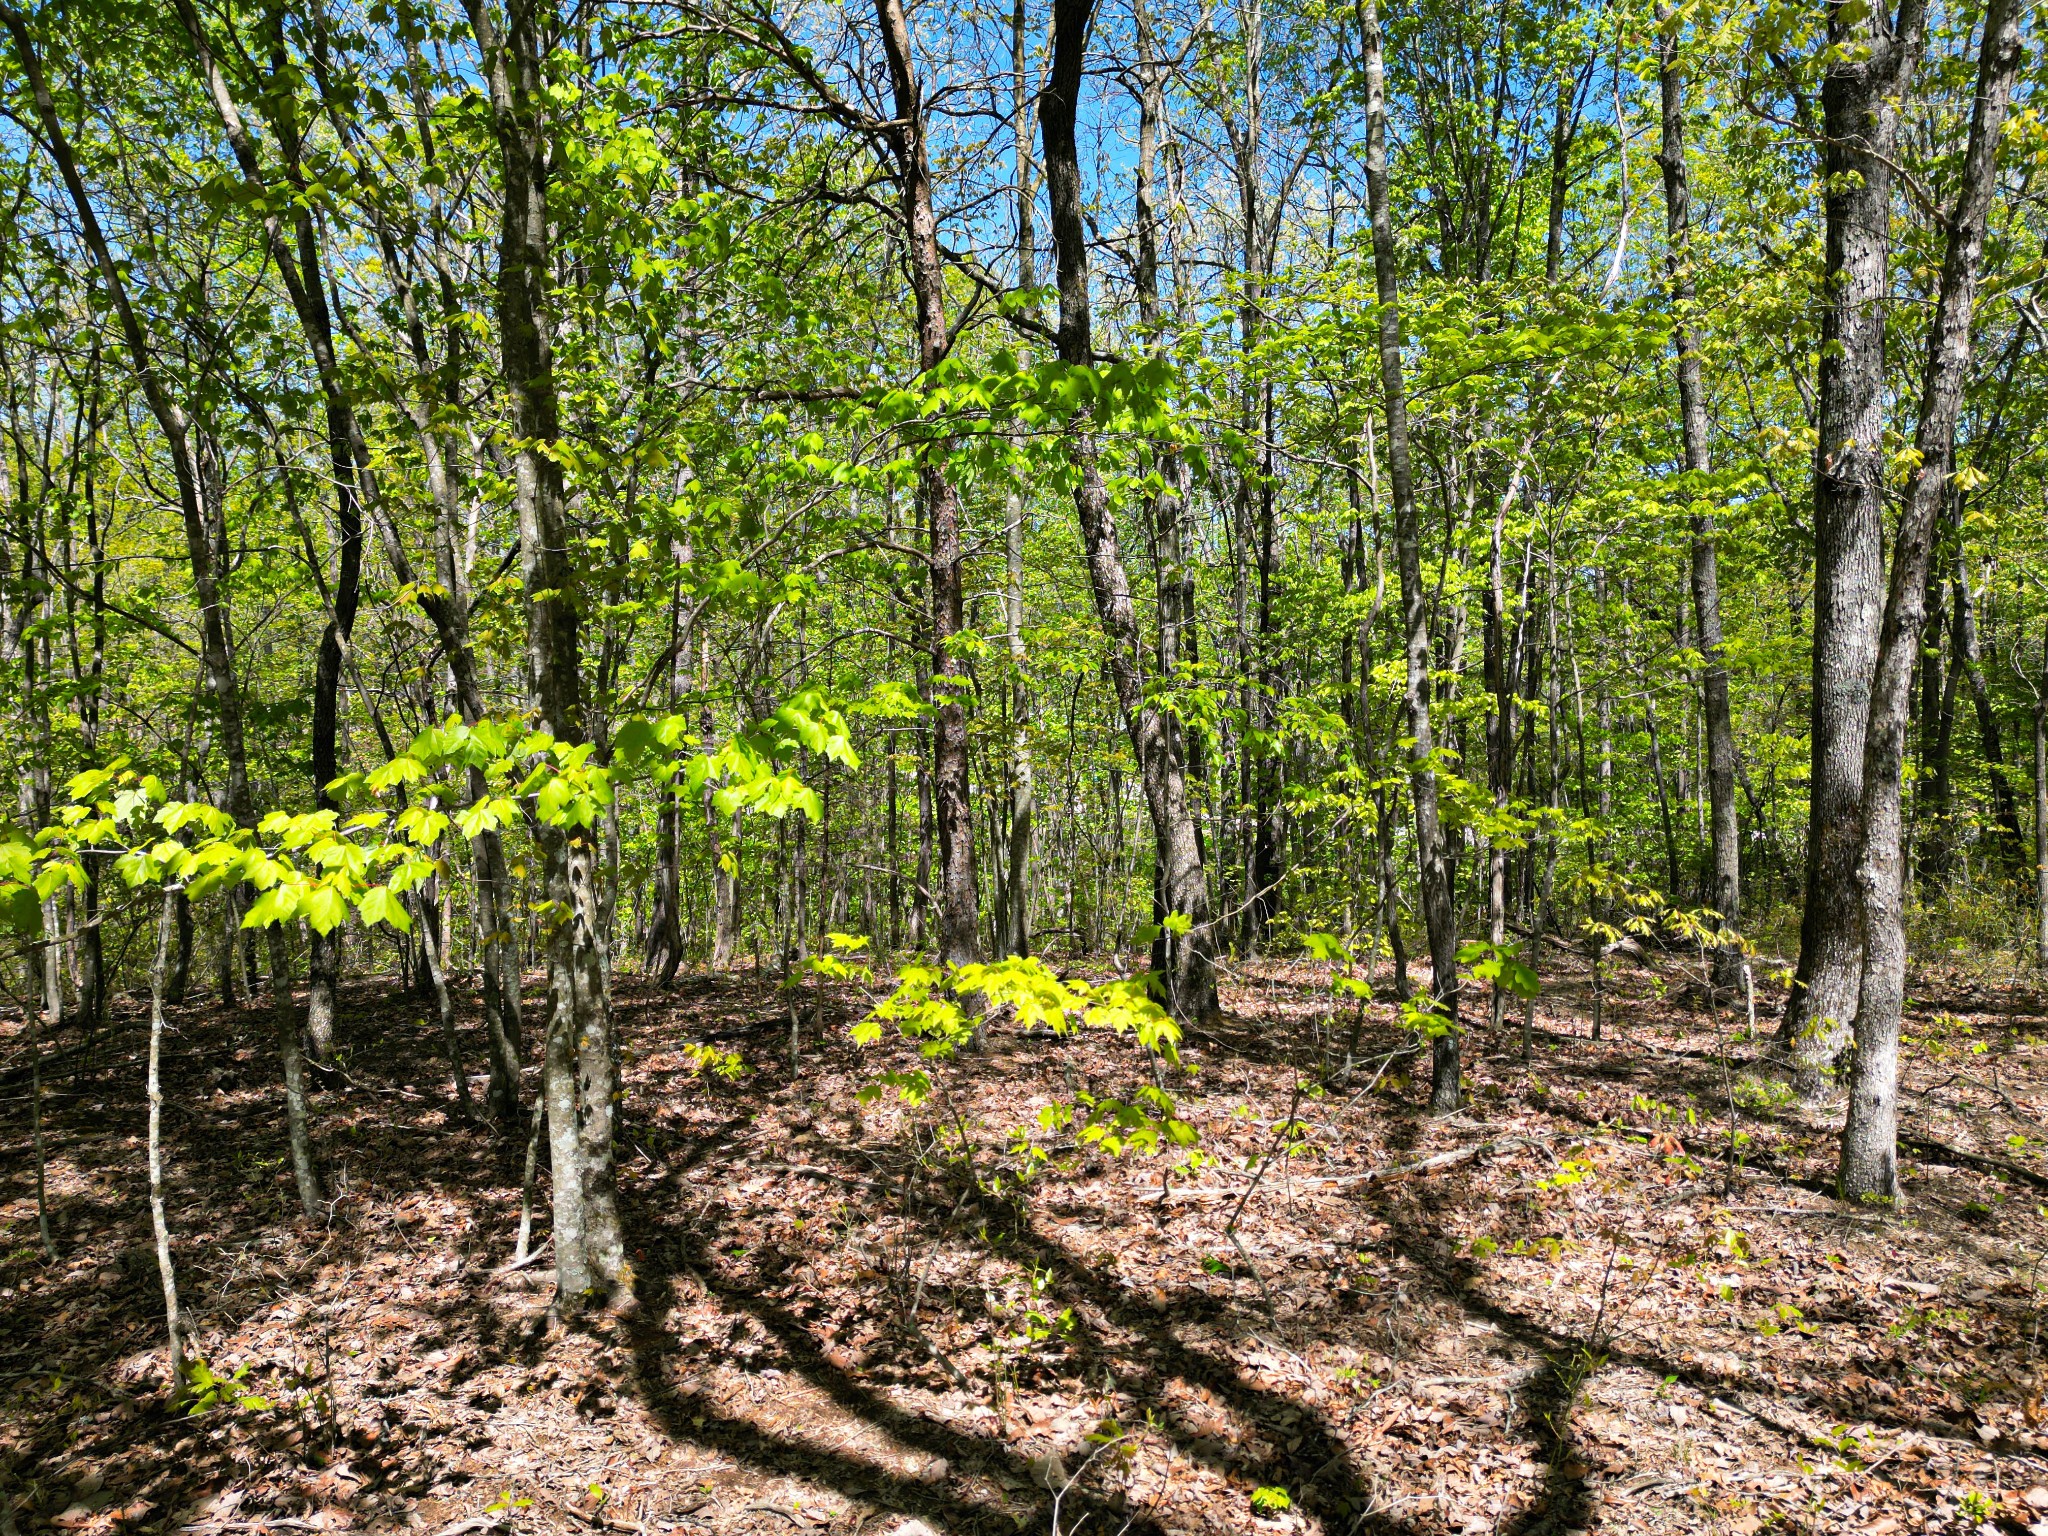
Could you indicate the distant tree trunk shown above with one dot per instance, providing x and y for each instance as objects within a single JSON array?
[
  {"x": 1437, "y": 913},
  {"x": 1933, "y": 796},
  {"x": 1869, "y": 1167},
  {"x": 200, "y": 495},
  {"x": 724, "y": 852},
  {"x": 178, "y": 979},
  {"x": 1190, "y": 977},
  {"x": 1500, "y": 650},
  {"x": 1871, "y": 64},
  {"x": 427, "y": 912},
  {"x": 1167, "y": 511},
  {"x": 956, "y": 896},
  {"x": 1724, "y": 885},
  {"x": 285, "y": 1018},
  {"x": 664, "y": 943},
  {"x": 2041, "y": 810},
  {"x": 1563, "y": 130},
  {"x": 301, "y": 268},
  {"x": 579, "y": 1074},
  {"x": 1969, "y": 661},
  {"x": 921, "y": 897},
  {"x": 664, "y": 950},
  {"x": 1663, "y": 789},
  {"x": 1023, "y": 789}
]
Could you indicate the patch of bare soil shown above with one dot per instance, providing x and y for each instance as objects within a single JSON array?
[{"x": 1612, "y": 1294}]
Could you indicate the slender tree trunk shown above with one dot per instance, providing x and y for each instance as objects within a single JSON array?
[
  {"x": 1871, "y": 64},
  {"x": 579, "y": 1073},
  {"x": 2041, "y": 810},
  {"x": 1869, "y": 1167},
  {"x": 1932, "y": 786},
  {"x": 1182, "y": 882},
  {"x": 166, "y": 1266},
  {"x": 1438, "y": 916},
  {"x": 302, "y": 271},
  {"x": 664, "y": 940},
  {"x": 427, "y": 911},
  {"x": 179, "y": 979},
  {"x": 1724, "y": 885},
  {"x": 200, "y": 501},
  {"x": 664, "y": 951},
  {"x": 1500, "y": 649},
  {"x": 1023, "y": 789},
  {"x": 1663, "y": 788},
  {"x": 1969, "y": 661},
  {"x": 956, "y": 896},
  {"x": 285, "y": 1019}
]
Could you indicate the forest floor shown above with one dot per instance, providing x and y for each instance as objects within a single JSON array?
[{"x": 1577, "y": 1305}]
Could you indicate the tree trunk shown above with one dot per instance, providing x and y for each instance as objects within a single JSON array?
[
  {"x": 179, "y": 977},
  {"x": 1437, "y": 914},
  {"x": 2041, "y": 810},
  {"x": 302, "y": 272},
  {"x": 1016, "y": 902},
  {"x": 1871, "y": 65},
  {"x": 664, "y": 940},
  {"x": 285, "y": 1018},
  {"x": 1969, "y": 661},
  {"x": 1932, "y": 853},
  {"x": 664, "y": 951},
  {"x": 579, "y": 1078},
  {"x": 427, "y": 911},
  {"x": 166, "y": 1266},
  {"x": 1189, "y": 976},
  {"x": 200, "y": 503},
  {"x": 956, "y": 896},
  {"x": 1869, "y": 1167},
  {"x": 1724, "y": 884}
]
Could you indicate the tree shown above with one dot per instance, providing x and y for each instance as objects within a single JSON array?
[
  {"x": 1869, "y": 62},
  {"x": 1430, "y": 854},
  {"x": 1869, "y": 1166}
]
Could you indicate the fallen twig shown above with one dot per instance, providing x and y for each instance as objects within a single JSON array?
[{"x": 1443, "y": 1159}]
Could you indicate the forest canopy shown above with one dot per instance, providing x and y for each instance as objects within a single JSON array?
[{"x": 952, "y": 494}]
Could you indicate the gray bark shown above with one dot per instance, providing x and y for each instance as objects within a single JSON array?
[
  {"x": 578, "y": 1075},
  {"x": 298, "y": 1129},
  {"x": 1871, "y": 64},
  {"x": 1869, "y": 1164},
  {"x": 166, "y": 1266}
]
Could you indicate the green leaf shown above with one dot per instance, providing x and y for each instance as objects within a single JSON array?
[
  {"x": 275, "y": 905},
  {"x": 378, "y": 905}
]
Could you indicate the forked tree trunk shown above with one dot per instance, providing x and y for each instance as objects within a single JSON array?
[
  {"x": 1869, "y": 1167},
  {"x": 1181, "y": 881},
  {"x": 1437, "y": 914},
  {"x": 1871, "y": 64}
]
